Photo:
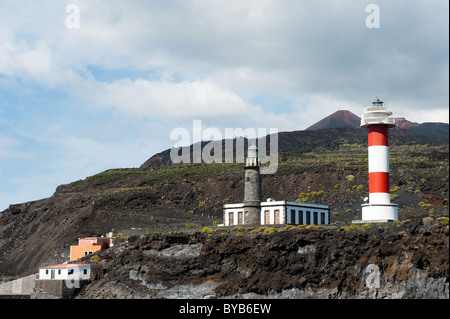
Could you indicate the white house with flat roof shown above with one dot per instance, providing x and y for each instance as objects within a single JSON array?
[
  {"x": 65, "y": 272},
  {"x": 280, "y": 212}
]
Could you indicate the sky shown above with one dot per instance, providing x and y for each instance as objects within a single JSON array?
[{"x": 91, "y": 85}]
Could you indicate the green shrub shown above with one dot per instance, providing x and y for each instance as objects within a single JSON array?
[
  {"x": 351, "y": 227},
  {"x": 206, "y": 230},
  {"x": 422, "y": 204},
  {"x": 95, "y": 259},
  {"x": 267, "y": 230},
  {"x": 270, "y": 230},
  {"x": 444, "y": 220},
  {"x": 393, "y": 197},
  {"x": 396, "y": 188}
]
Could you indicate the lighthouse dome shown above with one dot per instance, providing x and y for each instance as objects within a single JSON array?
[{"x": 252, "y": 151}]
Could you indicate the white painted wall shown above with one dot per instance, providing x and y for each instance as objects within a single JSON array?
[
  {"x": 272, "y": 210},
  {"x": 78, "y": 272},
  {"x": 285, "y": 212},
  {"x": 233, "y": 211}
]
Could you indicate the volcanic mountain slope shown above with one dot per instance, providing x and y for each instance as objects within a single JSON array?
[
  {"x": 341, "y": 118},
  {"x": 321, "y": 166},
  {"x": 306, "y": 141},
  {"x": 344, "y": 118},
  {"x": 328, "y": 132}
]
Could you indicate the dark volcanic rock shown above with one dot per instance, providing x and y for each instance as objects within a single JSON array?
[{"x": 410, "y": 260}]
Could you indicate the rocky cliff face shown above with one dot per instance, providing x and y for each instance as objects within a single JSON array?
[
  {"x": 407, "y": 259},
  {"x": 323, "y": 167}
]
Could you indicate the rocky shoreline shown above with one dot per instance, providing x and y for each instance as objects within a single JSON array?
[{"x": 406, "y": 260}]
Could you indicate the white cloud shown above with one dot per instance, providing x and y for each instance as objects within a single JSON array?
[
  {"x": 6, "y": 145},
  {"x": 135, "y": 70},
  {"x": 231, "y": 50},
  {"x": 169, "y": 100},
  {"x": 9, "y": 149}
]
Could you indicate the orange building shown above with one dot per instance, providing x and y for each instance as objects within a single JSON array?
[{"x": 88, "y": 245}]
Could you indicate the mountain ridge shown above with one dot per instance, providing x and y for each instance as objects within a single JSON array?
[
  {"x": 306, "y": 140},
  {"x": 345, "y": 118},
  {"x": 341, "y": 118}
]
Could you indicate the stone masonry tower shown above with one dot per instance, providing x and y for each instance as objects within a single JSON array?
[{"x": 252, "y": 192}]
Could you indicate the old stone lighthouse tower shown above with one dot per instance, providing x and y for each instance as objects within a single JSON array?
[{"x": 252, "y": 192}]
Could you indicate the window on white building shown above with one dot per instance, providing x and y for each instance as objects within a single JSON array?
[
  {"x": 231, "y": 219},
  {"x": 277, "y": 216},
  {"x": 240, "y": 217},
  {"x": 266, "y": 217}
]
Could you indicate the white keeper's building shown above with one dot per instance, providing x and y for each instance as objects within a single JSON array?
[{"x": 280, "y": 212}]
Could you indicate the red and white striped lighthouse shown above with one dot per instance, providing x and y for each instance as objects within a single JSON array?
[{"x": 376, "y": 119}]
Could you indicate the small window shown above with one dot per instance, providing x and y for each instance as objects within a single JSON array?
[
  {"x": 46, "y": 271},
  {"x": 231, "y": 219},
  {"x": 315, "y": 218},
  {"x": 240, "y": 218},
  {"x": 300, "y": 217},
  {"x": 322, "y": 218},
  {"x": 266, "y": 217},
  {"x": 308, "y": 218},
  {"x": 277, "y": 216},
  {"x": 70, "y": 272},
  {"x": 85, "y": 271},
  {"x": 59, "y": 271}
]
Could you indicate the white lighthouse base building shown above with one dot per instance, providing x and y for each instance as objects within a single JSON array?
[{"x": 377, "y": 213}]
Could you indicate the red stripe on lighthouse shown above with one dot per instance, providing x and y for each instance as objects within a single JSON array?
[
  {"x": 378, "y": 135},
  {"x": 379, "y": 182}
]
